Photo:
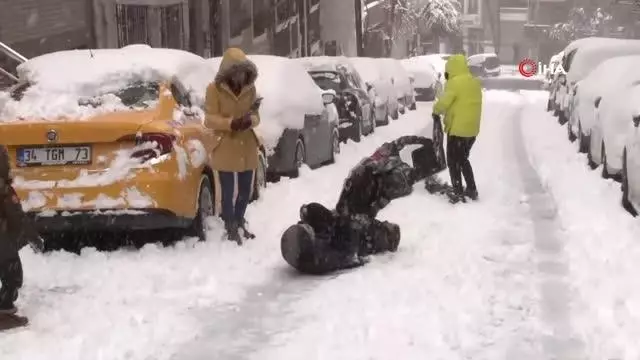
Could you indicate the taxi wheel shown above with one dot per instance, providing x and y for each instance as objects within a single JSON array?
[{"x": 206, "y": 209}]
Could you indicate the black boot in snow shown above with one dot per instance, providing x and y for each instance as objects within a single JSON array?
[
  {"x": 9, "y": 309},
  {"x": 456, "y": 197},
  {"x": 246, "y": 233},
  {"x": 471, "y": 194},
  {"x": 232, "y": 233}
]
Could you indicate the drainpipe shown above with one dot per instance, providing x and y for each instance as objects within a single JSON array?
[
  {"x": 12, "y": 53},
  {"x": 359, "y": 47}
]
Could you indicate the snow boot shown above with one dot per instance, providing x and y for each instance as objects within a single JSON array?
[
  {"x": 8, "y": 309},
  {"x": 456, "y": 197},
  {"x": 245, "y": 232},
  {"x": 8, "y": 322},
  {"x": 471, "y": 194},
  {"x": 232, "y": 232}
]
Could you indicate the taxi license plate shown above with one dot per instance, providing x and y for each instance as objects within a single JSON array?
[{"x": 58, "y": 155}]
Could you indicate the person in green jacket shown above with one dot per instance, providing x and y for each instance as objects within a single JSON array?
[{"x": 461, "y": 105}]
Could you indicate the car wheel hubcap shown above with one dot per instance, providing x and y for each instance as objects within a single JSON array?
[
  {"x": 336, "y": 144},
  {"x": 206, "y": 208},
  {"x": 299, "y": 156}
]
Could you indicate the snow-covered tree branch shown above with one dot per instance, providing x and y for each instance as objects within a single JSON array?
[{"x": 581, "y": 23}]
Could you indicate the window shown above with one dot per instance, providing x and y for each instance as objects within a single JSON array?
[
  {"x": 131, "y": 22},
  {"x": 473, "y": 7},
  {"x": 139, "y": 94},
  {"x": 172, "y": 27},
  {"x": 261, "y": 16},
  {"x": 239, "y": 17}
]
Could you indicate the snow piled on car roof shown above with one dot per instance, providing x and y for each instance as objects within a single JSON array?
[
  {"x": 325, "y": 63},
  {"x": 288, "y": 93},
  {"x": 60, "y": 79}
]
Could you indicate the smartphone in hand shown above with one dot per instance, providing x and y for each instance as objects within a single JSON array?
[{"x": 256, "y": 104}]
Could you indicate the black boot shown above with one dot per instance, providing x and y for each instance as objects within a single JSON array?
[
  {"x": 456, "y": 197},
  {"x": 246, "y": 233},
  {"x": 232, "y": 232},
  {"x": 8, "y": 309},
  {"x": 471, "y": 194}
]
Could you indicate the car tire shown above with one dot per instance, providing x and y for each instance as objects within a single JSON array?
[
  {"x": 374, "y": 122},
  {"x": 570, "y": 135},
  {"x": 335, "y": 146},
  {"x": 603, "y": 156},
  {"x": 356, "y": 127},
  {"x": 549, "y": 105},
  {"x": 299, "y": 158},
  {"x": 206, "y": 209},
  {"x": 592, "y": 164},
  {"x": 562, "y": 118},
  {"x": 583, "y": 141},
  {"x": 626, "y": 203},
  {"x": 260, "y": 180},
  {"x": 413, "y": 106},
  {"x": 396, "y": 114}
]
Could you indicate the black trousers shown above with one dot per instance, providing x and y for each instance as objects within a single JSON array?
[
  {"x": 11, "y": 279},
  {"x": 458, "y": 149}
]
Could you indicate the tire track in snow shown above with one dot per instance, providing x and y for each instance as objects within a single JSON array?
[{"x": 558, "y": 340}]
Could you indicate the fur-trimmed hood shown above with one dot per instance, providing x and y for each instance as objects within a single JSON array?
[{"x": 234, "y": 60}]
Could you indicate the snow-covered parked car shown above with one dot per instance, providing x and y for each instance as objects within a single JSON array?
[
  {"x": 104, "y": 144},
  {"x": 426, "y": 83},
  {"x": 487, "y": 65},
  {"x": 355, "y": 108},
  {"x": 630, "y": 175},
  {"x": 401, "y": 82},
  {"x": 552, "y": 75},
  {"x": 299, "y": 121},
  {"x": 580, "y": 61},
  {"x": 379, "y": 87},
  {"x": 592, "y": 115}
]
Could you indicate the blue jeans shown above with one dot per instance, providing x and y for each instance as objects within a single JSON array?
[{"x": 234, "y": 207}]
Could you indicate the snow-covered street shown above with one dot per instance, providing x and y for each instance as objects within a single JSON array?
[{"x": 541, "y": 267}]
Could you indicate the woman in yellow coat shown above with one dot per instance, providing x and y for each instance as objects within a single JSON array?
[{"x": 231, "y": 114}]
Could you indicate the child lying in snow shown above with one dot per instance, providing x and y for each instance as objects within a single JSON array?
[{"x": 324, "y": 241}]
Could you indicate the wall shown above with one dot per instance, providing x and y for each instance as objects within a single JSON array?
[{"x": 34, "y": 27}]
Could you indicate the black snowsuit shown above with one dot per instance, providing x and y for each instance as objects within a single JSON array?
[
  {"x": 324, "y": 240},
  {"x": 16, "y": 231}
]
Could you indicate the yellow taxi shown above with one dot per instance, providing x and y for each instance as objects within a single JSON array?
[{"x": 112, "y": 139}]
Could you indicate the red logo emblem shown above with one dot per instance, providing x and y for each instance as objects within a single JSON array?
[{"x": 527, "y": 68}]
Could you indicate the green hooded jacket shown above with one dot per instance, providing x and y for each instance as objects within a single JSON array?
[{"x": 461, "y": 102}]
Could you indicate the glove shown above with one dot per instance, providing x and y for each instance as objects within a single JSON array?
[
  {"x": 246, "y": 122},
  {"x": 435, "y": 117},
  {"x": 37, "y": 245}
]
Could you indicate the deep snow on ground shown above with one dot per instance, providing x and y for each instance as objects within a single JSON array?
[
  {"x": 460, "y": 286},
  {"x": 141, "y": 304},
  {"x": 602, "y": 239},
  {"x": 465, "y": 283}
]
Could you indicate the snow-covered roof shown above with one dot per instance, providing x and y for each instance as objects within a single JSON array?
[
  {"x": 589, "y": 41},
  {"x": 589, "y": 57},
  {"x": 89, "y": 72},
  {"x": 435, "y": 59},
  {"x": 605, "y": 80},
  {"x": 324, "y": 63},
  {"x": 288, "y": 92},
  {"x": 372, "y": 71},
  {"x": 60, "y": 79}
]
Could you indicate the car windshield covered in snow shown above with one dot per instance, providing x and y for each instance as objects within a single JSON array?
[
  {"x": 137, "y": 94},
  {"x": 329, "y": 80}
]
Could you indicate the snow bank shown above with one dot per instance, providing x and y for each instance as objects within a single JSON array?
[
  {"x": 288, "y": 94},
  {"x": 60, "y": 80},
  {"x": 601, "y": 238}
]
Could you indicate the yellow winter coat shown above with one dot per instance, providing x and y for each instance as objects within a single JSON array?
[
  {"x": 461, "y": 102},
  {"x": 233, "y": 150}
]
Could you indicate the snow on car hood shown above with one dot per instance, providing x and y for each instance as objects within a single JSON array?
[
  {"x": 422, "y": 71},
  {"x": 588, "y": 57},
  {"x": 60, "y": 79},
  {"x": 288, "y": 92}
]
